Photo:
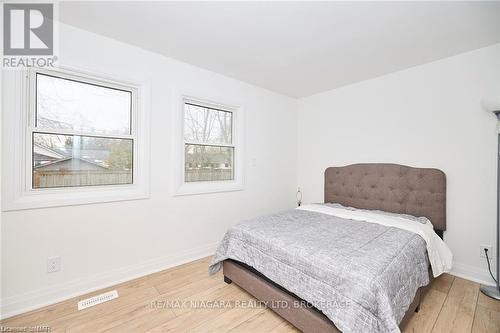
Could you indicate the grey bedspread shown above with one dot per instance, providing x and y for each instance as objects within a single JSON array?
[{"x": 362, "y": 276}]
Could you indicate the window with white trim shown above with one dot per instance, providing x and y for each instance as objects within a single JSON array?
[
  {"x": 73, "y": 138},
  {"x": 211, "y": 147},
  {"x": 82, "y": 133},
  {"x": 208, "y": 143}
]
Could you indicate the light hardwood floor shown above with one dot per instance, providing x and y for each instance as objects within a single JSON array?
[{"x": 452, "y": 305}]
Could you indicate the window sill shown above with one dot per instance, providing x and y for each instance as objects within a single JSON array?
[
  {"x": 196, "y": 188},
  {"x": 45, "y": 198}
]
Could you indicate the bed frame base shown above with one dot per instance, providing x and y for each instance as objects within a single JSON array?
[{"x": 306, "y": 318}]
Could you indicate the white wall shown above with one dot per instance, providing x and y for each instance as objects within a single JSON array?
[
  {"x": 102, "y": 243},
  {"x": 426, "y": 116}
]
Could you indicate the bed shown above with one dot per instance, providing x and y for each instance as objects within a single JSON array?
[{"x": 292, "y": 291}]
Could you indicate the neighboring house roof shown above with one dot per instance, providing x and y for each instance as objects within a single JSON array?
[
  {"x": 45, "y": 156},
  {"x": 54, "y": 165},
  {"x": 44, "y": 151}
]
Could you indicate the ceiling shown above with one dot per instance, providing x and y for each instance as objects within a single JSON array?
[{"x": 294, "y": 48}]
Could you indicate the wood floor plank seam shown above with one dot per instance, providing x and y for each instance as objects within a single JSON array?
[
  {"x": 440, "y": 309},
  {"x": 474, "y": 313}
]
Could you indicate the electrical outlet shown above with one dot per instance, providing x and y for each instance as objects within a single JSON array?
[
  {"x": 53, "y": 264},
  {"x": 490, "y": 251}
]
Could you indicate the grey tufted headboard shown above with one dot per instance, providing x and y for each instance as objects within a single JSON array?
[{"x": 390, "y": 187}]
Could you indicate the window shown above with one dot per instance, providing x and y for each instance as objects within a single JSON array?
[
  {"x": 208, "y": 144},
  {"x": 84, "y": 139},
  {"x": 82, "y": 135},
  {"x": 211, "y": 147}
]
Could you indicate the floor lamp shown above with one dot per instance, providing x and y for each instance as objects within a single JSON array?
[{"x": 493, "y": 105}]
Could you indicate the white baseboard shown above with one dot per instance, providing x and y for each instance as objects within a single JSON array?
[
  {"x": 14, "y": 305},
  {"x": 472, "y": 273}
]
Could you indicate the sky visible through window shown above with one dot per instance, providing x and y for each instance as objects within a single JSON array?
[{"x": 70, "y": 105}]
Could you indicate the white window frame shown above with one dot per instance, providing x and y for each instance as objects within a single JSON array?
[
  {"x": 19, "y": 126},
  {"x": 200, "y": 187}
]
